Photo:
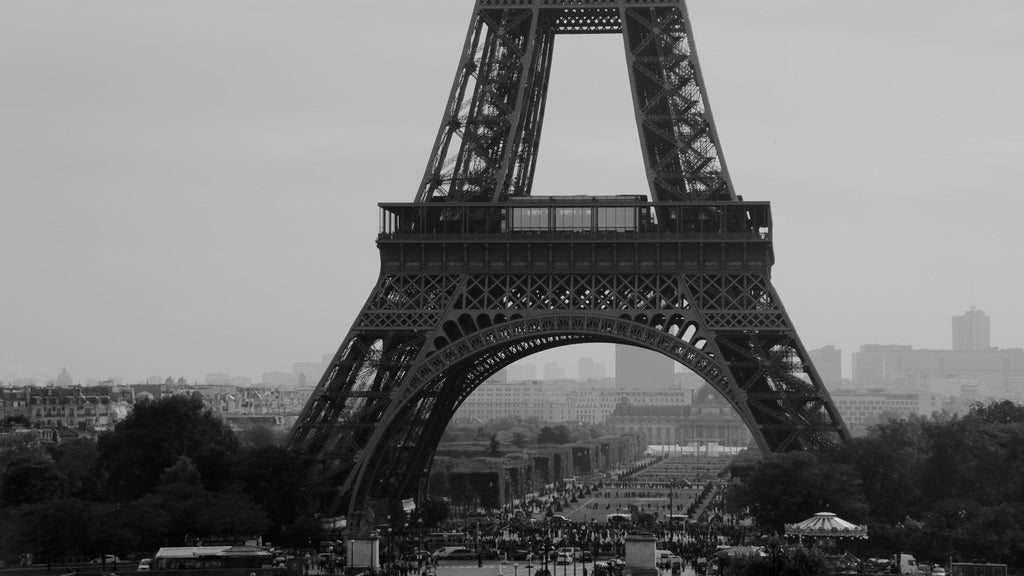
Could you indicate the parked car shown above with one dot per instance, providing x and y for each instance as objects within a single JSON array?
[
  {"x": 586, "y": 556},
  {"x": 563, "y": 559},
  {"x": 518, "y": 554},
  {"x": 572, "y": 551},
  {"x": 144, "y": 565},
  {"x": 454, "y": 553},
  {"x": 105, "y": 559},
  {"x": 938, "y": 571}
]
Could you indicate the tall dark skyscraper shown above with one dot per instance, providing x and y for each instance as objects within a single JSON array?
[
  {"x": 971, "y": 331},
  {"x": 637, "y": 367}
]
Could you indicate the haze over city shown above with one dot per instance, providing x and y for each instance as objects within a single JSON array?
[{"x": 188, "y": 190}]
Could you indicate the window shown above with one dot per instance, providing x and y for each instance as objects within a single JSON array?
[
  {"x": 530, "y": 219},
  {"x": 573, "y": 219},
  {"x": 616, "y": 219}
]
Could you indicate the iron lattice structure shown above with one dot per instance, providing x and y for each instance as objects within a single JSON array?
[{"x": 477, "y": 273}]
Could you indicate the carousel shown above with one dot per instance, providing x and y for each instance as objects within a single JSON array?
[
  {"x": 825, "y": 530},
  {"x": 826, "y": 525}
]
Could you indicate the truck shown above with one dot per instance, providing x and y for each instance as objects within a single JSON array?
[{"x": 906, "y": 564}]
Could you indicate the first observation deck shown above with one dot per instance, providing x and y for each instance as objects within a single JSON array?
[{"x": 581, "y": 233}]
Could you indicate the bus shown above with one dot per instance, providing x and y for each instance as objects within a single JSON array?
[
  {"x": 218, "y": 561},
  {"x": 436, "y": 540}
]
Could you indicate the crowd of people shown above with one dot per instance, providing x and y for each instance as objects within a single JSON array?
[{"x": 593, "y": 516}]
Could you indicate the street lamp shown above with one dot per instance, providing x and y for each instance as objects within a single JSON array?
[
  {"x": 671, "y": 503},
  {"x": 389, "y": 546}
]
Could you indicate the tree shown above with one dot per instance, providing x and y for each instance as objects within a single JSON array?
[
  {"x": 153, "y": 437},
  {"x": 10, "y": 422},
  {"x": 77, "y": 460},
  {"x": 18, "y": 444},
  {"x": 434, "y": 512},
  {"x": 259, "y": 436},
  {"x": 887, "y": 475},
  {"x": 554, "y": 435},
  {"x": 786, "y": 488},
  {"x": 1003, "y": 412},
  {"x": 216, "y": 464},
  {"x": 31, "y": 478},
  {"x": 52, "y": 529},
  {"x": 463, "y": 494},
  {"x": 192, "y": 510},
  {"x": 304, "y": 530},
  {"x": 272, "y": 477},
  {"x": 519, "y": 440},
  {"x": 183, "y": 472},
  {"x": 494, "y": 447}
]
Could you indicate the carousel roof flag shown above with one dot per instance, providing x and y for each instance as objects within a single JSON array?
[{"x": 827, "y": 524}]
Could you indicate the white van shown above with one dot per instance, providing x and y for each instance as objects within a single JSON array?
[{"x": 661, "y": 558}]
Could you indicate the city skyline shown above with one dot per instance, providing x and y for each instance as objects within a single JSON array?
[
  {"x": 196, "y": 195},
  {"x": 835, "y": 365}
]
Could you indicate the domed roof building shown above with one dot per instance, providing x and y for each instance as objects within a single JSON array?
[
  {"x": 63, "y": 379},
  {"x": 708, "y": 420}
]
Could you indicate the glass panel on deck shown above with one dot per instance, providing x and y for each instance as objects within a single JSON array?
[{"x": 618, "y": 219}]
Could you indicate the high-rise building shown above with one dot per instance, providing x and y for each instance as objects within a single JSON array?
[
  {"x": 998, "y": 373},
  {"x": 971, "y": 331},
  {"x": 213, "y": 379},
  {"x": 553, "y": 371},
  {"x": 586, "y": 369},
  {"x": 829, "y": 362},
  {"x": 309, "y": 373},
  {"x": 280, "y": 379},
  {"x": 637, "y": 367},
  {"x": 879, "y": 364},
  {"x": 522, "y": 371},
  {"x": 861, "y": 409},
  {"x": 591, "y": 370}
]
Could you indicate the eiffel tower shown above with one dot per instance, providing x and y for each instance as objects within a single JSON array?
[{"x": 477, "y": 273}]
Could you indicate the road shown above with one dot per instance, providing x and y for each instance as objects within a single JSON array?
[{"x": 496, "y": 568}]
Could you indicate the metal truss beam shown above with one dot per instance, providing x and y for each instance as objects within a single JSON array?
[
  {"x": 487, "y": 321},
  {"x": 487, "y": 146}
]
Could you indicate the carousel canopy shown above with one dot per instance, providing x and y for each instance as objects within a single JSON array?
[{"x": 827, "y": 524}]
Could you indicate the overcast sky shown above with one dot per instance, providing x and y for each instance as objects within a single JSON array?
[{"x": 191, "y": 187}]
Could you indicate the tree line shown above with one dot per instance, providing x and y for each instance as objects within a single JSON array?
[
  {"x": 938, "y": 487},
  {"x": 523, "y": 432},
  {"x": 169, "y": 471}
]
